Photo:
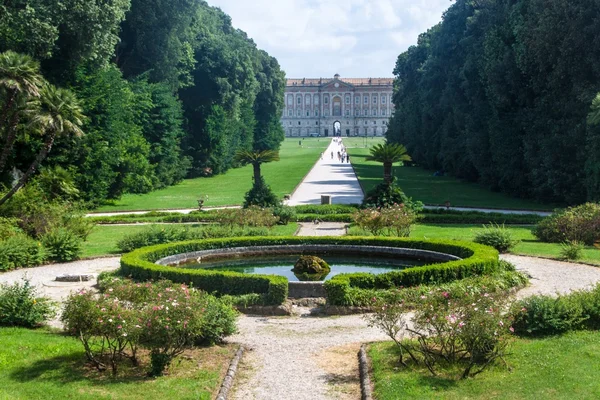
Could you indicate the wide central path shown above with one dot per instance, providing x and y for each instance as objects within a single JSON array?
[{"x": 329, "y": 176}]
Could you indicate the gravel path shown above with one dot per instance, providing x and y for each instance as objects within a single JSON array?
[
  {"x": 288, "y": 358},
  {"x": 551, "y": 276},
  {"x": 322, "y": 229}
]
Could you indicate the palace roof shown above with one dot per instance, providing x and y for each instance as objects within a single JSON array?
[{"x": 351, "y": 81}]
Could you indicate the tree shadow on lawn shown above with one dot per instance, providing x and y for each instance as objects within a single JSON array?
[{"x": 73, "y": 367}]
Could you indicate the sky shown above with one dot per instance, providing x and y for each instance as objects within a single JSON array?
[{"x": 319, "y": 38}]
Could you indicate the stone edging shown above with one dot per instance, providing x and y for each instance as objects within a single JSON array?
[
  {"x": 230, "y": 376},
  {"x": 365, "y": 380}
]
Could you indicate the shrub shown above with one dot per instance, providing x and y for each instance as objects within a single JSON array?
[
  {"x": 581, "y": 223},
  {"x": 251, "y": 216},
  {"x": 384, "y": 195},
  {"x": 571, "y": 250},
  {"x": 157, "y": 234},
  {"x": 161, "y": 317},
  {"x": 468, "y": 331},
  {"x": 9, "y": 227},
  {"x": 496, "y": 236},
  {"x": 326, "y": 209},
  {"x": 285, "y": 214},
  {"x": 394, "y": 220},
  {"x": 62, "y": 244},
  {"x": 546, "y": 315},
  {"x": 20, "y": 251},
  {"x": 260, "y": 195},
  {"x": 20, "y": 306}
]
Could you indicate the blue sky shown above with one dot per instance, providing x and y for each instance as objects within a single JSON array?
[{"x": 318, "y": 38}]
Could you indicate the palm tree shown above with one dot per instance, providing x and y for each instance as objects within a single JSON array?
[
  {"x": 388, "y": 154},
  {"x": 19, "y": 76},
  {"x": 256, "y": 158},
  {"x": 60, "y": 114}
]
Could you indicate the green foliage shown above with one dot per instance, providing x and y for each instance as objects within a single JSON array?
[
  {"x": 546, "y": 315},
  {"x": 385, "y": 194},
  {"x": 496, "y": 236},
  {"x": 581, "y": 223},
  {"x": 158, "y": 234},
  {"x": 162, "y": 317},
  {"x": 260, "y": 195},
  {"x": 61, "y": 245},
  {"x": 253, "y": 216},
  {"x": 469, "y": 332},
  {"x": 20, "y": 306},
  {"x": 571, "y": 250},
  {"x": 326, "y": 209},
  {"x": 20, "y": 251},
  {"x": 499, "y": 93},
  {"x": 394, "y": 220},
  {"x": 286, "y": 214}
]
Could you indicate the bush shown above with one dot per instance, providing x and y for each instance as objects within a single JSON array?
[
  {"x": 161, "y": 317},
  {"x": 62, "y": 244},
  {"x": 9, "y": 227},
  {"x": 384, "y": 195},
  {"x": 260, "y": 195},
  {"x": 468, "y": 331},
  {"x": 20, "y": 306},
  {"x": 394, "y": 220},
  {"x": 581, "y": 223},
  {"x": 285, "y": 214},
  {"x": 251, "y": 216},
  {"x": 496, "y": 236},
  {"x": 326, "y": 209},
  {"x": 157, "y": 234},
  {"x": 20, "y": 251},
  {"x": 546, "y": 315},
  {"x": 571, "y": 250}
]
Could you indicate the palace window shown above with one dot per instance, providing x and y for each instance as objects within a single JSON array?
[
  {"x": 366, "y": 100},
  {"x": 347, "y": 99},
  {"x": 356, "y": 113},
  {"x": 347, "y": 113},
  {"x": 326, "y": 100},
  {"x": 374, "y": 122},
  {"x": 375, "y": 112},
  {"x": 299, "y": 123},
  {"x": 365, "y": 113},
  {"x": 290, "y": 100},
  {"x": 316, "y": 99},
  {"x": 383, "y": 99},
  {"x": 383, "y": 112},
  {"x": 298, "y": 113},
  {"x": 299, "y": 100},
  {"x": 316, "y": 113},
  {"x": 307, "y": 99},
  {"x": 308, "y": 113},
  {"x": 374, "y": 99},
  {"x": 316, "y": 122},
  {"x": 356, "y": 100}
]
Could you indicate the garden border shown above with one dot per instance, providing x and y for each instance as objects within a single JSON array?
[{"x": 476, "y": 260}]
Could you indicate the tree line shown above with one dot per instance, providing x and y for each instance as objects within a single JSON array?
[
  {"x": 502, "y": 92},
  {"x": 167, "y": 89}
]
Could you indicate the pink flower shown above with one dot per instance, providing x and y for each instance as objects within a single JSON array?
[
  {"x": 119, "y": 326},
  {"x": 511, "y": 329},
  {"x": 446, "y": 294}
]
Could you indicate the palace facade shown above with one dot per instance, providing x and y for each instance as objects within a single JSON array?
[{"x": 337, "y": 107}]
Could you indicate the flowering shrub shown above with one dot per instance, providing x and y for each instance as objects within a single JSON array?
[
  {"x": 251, "y": 216},
  {"x": 395, "y": 220},
  {"x": 162, "y": 317},
  {"x": 469, "y": 331}
]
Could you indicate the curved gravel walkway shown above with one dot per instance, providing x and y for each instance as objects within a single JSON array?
[{"x": 551, "y": 276}]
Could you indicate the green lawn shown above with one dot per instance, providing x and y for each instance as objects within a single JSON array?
[
  {"x": 103, "y": 239},
  {"x": 42, "y": 365},
  {"x": 420, "y": 184},
  {"x": 528, "y": 246},
  {"x": 229, "y": 189},
  {"x": 563, "y": 367}
]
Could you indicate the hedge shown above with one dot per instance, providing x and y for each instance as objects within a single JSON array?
[{"x": 477, "y": 260}]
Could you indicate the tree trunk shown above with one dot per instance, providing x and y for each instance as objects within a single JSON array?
[
  {"x": 387, "y": 172},
  {"x": 256, "y": 167},
  {"x": 12, "y": 96},
  {"x": 11, "y": 135},
  {"x": 40, "y": 157}
]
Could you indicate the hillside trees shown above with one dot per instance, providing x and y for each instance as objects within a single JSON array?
[
  {"x": 170, "y": 89},
  {"x": 499, "y": 93}
]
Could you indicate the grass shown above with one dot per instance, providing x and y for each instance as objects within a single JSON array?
[
  {"x": 229, "y": 189},
  {"x": 529, "y": 245},
  {"x": 103, "y": 239},
  {"x": 40, "y": 364},
  {"x": 562, "y": 367},
  {"x": 420, "y": 184}
]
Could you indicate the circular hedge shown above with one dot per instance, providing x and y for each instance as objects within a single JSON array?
[{"x": 475, "y": 260}]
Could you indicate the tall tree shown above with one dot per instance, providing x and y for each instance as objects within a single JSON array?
[
  {"x": 60, "y": 114},
  {"x": 19, "y": 76}
]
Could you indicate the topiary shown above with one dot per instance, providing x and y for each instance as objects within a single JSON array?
[{"x": 311, "y": 268}]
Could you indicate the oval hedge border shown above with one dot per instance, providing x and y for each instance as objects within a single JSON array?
[{"x": 476, "y": 259}]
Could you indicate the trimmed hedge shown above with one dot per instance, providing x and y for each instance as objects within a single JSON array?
[{"x": 477, "y": 260}]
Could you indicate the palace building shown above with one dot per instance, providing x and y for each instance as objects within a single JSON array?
[{"x": 337, "y": 107}]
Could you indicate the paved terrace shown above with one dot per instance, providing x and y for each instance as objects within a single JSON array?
[{"x": 329, "y": 177}]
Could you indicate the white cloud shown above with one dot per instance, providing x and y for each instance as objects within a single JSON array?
[{"x": 318, "y": 38}]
